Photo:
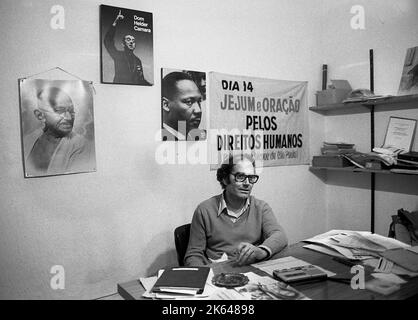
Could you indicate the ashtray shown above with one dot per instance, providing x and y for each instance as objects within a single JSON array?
[{"x": 230, "y": 280}]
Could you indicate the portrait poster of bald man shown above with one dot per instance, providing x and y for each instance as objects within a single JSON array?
[
  {"x": 57, "y": 126},
  {"x": 126, "y": 46}
]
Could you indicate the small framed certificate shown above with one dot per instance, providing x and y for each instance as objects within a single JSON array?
[{"x": 400, "y": 133}]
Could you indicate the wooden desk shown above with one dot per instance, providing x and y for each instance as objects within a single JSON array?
[{"x": 323, "y": 290}]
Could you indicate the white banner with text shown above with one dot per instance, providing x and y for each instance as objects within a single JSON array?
[{"x": 263, "y": 117}]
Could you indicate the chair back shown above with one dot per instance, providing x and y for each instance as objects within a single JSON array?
[{"x": 181, "y": 240}]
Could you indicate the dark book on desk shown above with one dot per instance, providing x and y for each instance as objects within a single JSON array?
[{"x": 182, "y": 278}]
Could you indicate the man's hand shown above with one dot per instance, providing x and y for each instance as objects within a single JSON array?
[
  {"x": 249, "y": 253},
  {"x": 118, "y": 17}
]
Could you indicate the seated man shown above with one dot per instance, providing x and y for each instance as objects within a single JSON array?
[{"x": 234, "y": 222}]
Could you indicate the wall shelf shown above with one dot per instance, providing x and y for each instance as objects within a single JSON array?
[
  {"x": 396, "y": 101},
  {"x": 355, "y": 169},
  {"x": 370, "y": 106}
]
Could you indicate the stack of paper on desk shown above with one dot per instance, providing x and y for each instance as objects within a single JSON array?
[
  {"x": 166, "y": 292},
  {"x": 182, "y": 280},
  {"x": 353, "y": 245}
]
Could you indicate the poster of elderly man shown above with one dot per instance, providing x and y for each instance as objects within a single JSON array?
[
  {"x": 126, "y": 46},
  {"x": 57, "y": 127}
]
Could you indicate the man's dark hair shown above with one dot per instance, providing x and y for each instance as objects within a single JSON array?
[
  {"x": 228, "y": 165},
  {"x": 169, "y": 83}
]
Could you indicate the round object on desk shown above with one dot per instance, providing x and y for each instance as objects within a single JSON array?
[{"x": 230, "y": 280}]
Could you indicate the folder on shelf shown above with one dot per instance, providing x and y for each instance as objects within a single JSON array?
[{"x": 182, "y": 280}]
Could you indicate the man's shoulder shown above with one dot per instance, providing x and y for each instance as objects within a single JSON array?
[
  {"x": 211, "y": 203},
  {"x": 257, "y": 201}
]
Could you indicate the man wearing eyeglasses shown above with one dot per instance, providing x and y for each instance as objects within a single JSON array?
[
  {"x": 234, "y": 223},
  {"x": 55, "y": 148}
]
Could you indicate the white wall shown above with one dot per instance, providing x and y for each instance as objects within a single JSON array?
[
  {"x": 390, "y": 28},
  {"x": 117, "y": 224}
]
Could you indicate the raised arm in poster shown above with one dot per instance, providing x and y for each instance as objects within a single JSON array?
[
  {"x": 57, "y": 127},
  {"x": 183, "y": 114},
  {"x": 263, "y": 117},
  {"x": 126, "y": 46}
]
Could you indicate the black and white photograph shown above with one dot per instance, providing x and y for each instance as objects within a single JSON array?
[
  {"x": 183, "y": 105},
  {"x": 126, "y": 46},
  {"x": 57, "y": 127},
  {"x": 140, "y": 139}
]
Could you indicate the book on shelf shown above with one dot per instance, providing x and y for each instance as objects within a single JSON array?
[
  {"x": 339, "y": 145},
  {"x": 335, "y": 161},
  {"x": 410, "y": 156},
  {"x": 337, "y": 148},
  {"x": 408, "y": 162},
  {"x": 336, "y": 151},
  {"x": 182, "y": 280}
]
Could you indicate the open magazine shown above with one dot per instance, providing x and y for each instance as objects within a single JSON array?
[{"x": 267, "y": 288}]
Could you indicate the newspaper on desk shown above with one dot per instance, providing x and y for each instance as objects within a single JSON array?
[
  {"x": 353, "y": 245},
  {"x": 363, "y": 246}
]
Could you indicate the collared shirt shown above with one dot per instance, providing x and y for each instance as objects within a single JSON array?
[
  {"x": 174, "y": 132},
  {"x": 233, "y": 216}
]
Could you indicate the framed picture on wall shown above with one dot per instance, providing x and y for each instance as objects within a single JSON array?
[
  {"x": 126, "y": 46},
  {"x": 57, "y": 127},
  {"x": 409, "y": 78},
  {"x": 183, "y": 101}
]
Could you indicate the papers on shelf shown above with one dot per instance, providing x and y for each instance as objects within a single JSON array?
[{"x": 269, "y": 266}]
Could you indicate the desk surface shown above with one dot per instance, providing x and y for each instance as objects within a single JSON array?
[{"x": 323, "y": 290}]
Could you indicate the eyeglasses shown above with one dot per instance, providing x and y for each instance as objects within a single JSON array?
[
  {"x": 241, "y": 177},
  {"x": 60, "y": 111}
]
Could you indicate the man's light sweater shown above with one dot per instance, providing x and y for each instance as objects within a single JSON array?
[{"x": 212, "y": 234}]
